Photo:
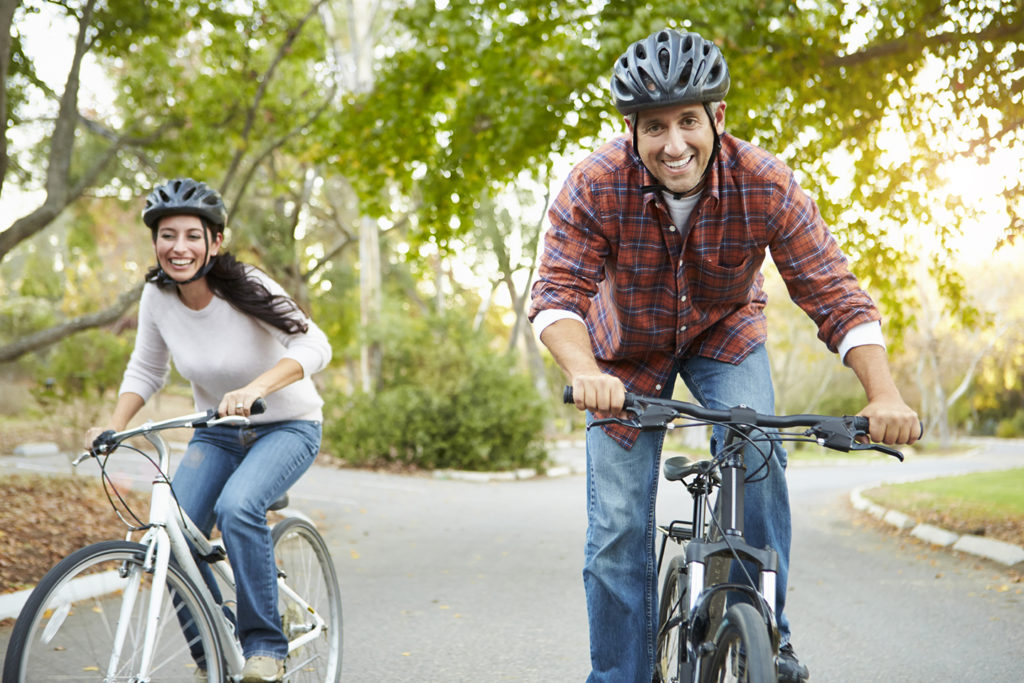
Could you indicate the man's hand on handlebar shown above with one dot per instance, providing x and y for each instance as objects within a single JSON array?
[
  {"x": 599, "y": 393},
  {"x": 892, "y": 422}
]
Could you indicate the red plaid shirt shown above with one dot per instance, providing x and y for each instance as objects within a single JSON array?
[{"x": 650, "y": 294}]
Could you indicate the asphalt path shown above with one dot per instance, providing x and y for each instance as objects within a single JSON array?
[{"x": 452, "y": 580}]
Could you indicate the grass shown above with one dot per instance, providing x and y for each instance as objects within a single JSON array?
[
  {"x": 985, "y": 503},
  {"x": 979, "y": 496}
]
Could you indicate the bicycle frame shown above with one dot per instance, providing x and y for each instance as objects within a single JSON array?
[
  {"x": 699, "y": 552},
  {"x": 169, "y": 533}
]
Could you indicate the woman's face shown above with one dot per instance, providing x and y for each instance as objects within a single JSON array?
[{"x": 181, "y": 245}]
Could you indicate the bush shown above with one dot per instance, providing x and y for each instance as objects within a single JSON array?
[
  {"x": 445, "y": 400},
  {"x": 1011, "y": 427}
]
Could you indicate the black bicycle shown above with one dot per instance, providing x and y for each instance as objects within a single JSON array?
[{"x": 710, "y": 629}]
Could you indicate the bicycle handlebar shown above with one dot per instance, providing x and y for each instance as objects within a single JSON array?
[
  {"x": 109, "y": 440},
  {"x": 837, "y": 433}
]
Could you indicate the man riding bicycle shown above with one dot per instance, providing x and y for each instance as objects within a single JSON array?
[{"x": 651, "y": 269}]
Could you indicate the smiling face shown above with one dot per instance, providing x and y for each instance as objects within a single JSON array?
[
  {"x": 181, "y": 247},
  {"x": 675, "y": 143}
]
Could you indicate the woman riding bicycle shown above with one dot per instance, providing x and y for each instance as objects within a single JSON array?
[{"x": 236, "y": 336}]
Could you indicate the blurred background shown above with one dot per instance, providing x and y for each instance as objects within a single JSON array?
[{"x": 390, "y": 163}]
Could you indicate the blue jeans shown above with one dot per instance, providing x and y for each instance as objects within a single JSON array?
[
  {"x": 230, "y": 475},
  {"x": 620, "y": 572}
]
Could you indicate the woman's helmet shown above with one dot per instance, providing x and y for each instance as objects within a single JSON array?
[
  {"x": 669, "y": 68},
  {"x": 185, "y": 196}
]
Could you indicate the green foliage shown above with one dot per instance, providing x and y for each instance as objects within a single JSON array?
[
  {"x": 87, "y": 364},
  {"x": 446, "y": 400},
  {"x": 1011, "y": 427}
]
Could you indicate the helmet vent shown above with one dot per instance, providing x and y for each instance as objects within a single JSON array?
[
  {"x": 684, "y": 77},
  {"x": 646, "y": 79}
]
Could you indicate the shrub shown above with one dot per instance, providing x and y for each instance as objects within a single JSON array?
[{"x": 446, "y": 400}]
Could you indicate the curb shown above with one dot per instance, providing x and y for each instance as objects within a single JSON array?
[
  {"x": 1006, "y": 554},
  {"x": 567, "y": 457}
]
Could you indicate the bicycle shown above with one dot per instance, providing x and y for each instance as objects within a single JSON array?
[
  {"x": 708, "y": 628},
  {"x": 122, "y": 610}
]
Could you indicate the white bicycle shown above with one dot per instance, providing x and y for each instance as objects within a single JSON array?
[{"x": 140, "y": 611}]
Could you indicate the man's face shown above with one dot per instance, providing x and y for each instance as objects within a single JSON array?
[{"x": 675, "y": 143}]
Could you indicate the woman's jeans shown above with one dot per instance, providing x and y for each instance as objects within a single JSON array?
[
  {"x": 620, "y": 570},
  {"x": 230, "y": 475}
]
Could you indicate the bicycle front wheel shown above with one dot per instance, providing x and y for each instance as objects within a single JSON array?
[
  {"x": 307, "y": 569},
  {"x": 67, "y": 630},
  {"x": 742, "y": 650},
  {"x": 673, "y": 606}
]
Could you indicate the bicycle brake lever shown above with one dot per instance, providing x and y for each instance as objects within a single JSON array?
[
  {"x": 888, "y": 450},
  {"x": 615, "y": 420}
]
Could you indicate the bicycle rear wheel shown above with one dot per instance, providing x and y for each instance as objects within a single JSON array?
[
  {"x": 742, "y": 649},
  {"x": 66, "y": 630},
  {"x": 306, "y": 564},
  {"x": 671, "y": 665}
]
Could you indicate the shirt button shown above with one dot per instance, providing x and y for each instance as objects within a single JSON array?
[
  {"x": 657, "y": 387},
  {"x": 671, "y": 228},
  {"x": 682, "y": 298},
  {"x": 683, "y": 328}
]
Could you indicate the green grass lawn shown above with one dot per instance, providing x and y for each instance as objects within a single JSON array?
[{"x": 974, "y": 497}]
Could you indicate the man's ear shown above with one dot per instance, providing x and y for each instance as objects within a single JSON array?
[{"x": 720, "y": 117}]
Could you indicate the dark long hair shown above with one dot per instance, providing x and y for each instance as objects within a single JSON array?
[{"x": 228, "y": 279}]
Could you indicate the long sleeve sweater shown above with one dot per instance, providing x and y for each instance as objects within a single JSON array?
[{"x": 219, "y": 349}]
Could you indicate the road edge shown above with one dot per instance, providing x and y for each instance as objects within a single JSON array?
[{"x": 1007, "y": 554}]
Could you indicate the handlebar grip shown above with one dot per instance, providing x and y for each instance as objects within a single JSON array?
[
  {"x": 627, "y": 402},
  {"x": 861, "y": 423}
]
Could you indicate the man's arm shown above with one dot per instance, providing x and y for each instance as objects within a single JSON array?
[
  {"x": 593, "y": 390},
  {"x": 892, "y": 420}
]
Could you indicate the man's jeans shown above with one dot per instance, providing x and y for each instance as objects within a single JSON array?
[
  {"x": 231, "y": 475},
  {"x": 620, "y": 572}
]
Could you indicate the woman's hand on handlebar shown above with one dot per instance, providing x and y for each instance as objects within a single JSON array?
[
  {"x": 239, "y": 402},
  {"x": 599, "y": 393},
  {"x": 92, "y": 434}
]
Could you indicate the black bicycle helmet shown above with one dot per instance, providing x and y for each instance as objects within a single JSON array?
[
  {"x": 669, "y": 68},
  {"x": 185, "y": 196}
]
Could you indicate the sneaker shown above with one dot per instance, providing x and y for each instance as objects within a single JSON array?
[
  {"x": 261, "y": 669},
  {"x": 200, "y": 676},
  {"x": 790, "y": 669}
]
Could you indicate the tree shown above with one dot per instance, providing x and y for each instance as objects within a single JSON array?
[
  {"x": 494, "y": 90},
  {"x": 198, "y": 90}
]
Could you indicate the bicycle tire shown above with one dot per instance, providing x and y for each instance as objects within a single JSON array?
[
  {"x": 67, "y": 626},
  {"x": 671, "y": 665},
  {"x": 303, "y": 557},
  {"x": 742, "y": 649}
]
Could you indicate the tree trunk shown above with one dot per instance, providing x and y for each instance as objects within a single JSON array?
[{"x": 369, "y": 301}]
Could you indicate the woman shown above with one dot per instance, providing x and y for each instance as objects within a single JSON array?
[{"x": 236, "y": 336}]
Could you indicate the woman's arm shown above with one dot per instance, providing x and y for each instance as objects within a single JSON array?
[{"x": 239, "y": 401}]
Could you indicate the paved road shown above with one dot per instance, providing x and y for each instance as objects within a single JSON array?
[{"x": 449, "y": 581}]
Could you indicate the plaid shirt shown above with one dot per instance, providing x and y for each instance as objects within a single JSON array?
[{"x": 650, "y": 293}]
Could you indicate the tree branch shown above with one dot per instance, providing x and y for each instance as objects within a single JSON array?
[
  {"x": 250, "y": 116},
  {"x": 43, "y": 338},
  {"x": 916, "y": 41}
]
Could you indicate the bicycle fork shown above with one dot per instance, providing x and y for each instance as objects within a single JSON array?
[{"x": 156, "y": 562}]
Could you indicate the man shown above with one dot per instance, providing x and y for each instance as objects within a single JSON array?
[{"x": 651, "y": 269}]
